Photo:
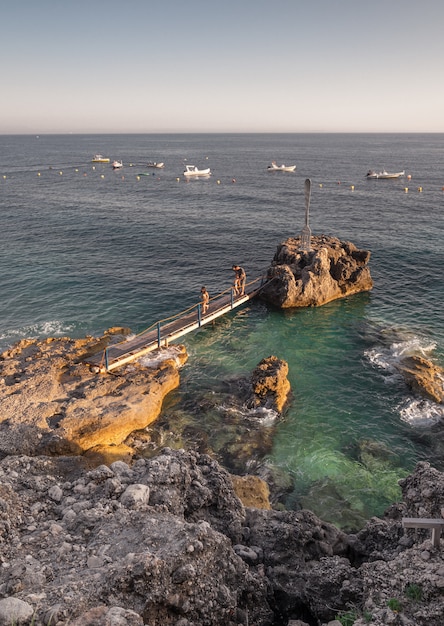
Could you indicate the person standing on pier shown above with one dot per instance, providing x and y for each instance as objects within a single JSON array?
[
  {"x": 205, "y": 299},
  {"x": 240, "y": 278}
]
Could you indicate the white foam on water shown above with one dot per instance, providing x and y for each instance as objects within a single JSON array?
[
  {"x": 413, "y": 346},
  {"x": 155, "y": 359},
  {"x": 50, "y": 328},
  {"x": 421, "y": 412},
  {"x": 388, "y": 357},
  {"x": 261, "y": 415}
]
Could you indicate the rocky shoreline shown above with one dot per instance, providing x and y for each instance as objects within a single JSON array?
[
  {"x": 168, "y": 541},
  {"x": 97, "y": 531}
]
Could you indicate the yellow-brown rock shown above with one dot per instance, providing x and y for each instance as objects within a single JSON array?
[
  {"x": 51, "y": 403},
  {"x": 252, "y": 491},
  {"x": 332, "y": 269},
  {"x": 270, "y": 384},
  {"x": 423, "y": 376}
]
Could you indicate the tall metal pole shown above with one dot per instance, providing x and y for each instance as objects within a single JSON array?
[{"x": 306, "y": 231}]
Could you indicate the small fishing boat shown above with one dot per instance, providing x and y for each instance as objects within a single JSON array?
[
  {"x": 192, "y": 170},
  {"x": 274, "y": 167},
  {"x": 384, "y": 174},
  {"x": 158, "y": 166},
  {"x": 117, "y": 165},
  {"x": 98, "y": 158}
]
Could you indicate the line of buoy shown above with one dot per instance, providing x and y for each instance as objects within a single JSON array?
[{"x": 218, "y": 181}]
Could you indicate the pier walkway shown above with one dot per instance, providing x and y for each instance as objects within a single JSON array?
[{"x": 163, "y": 332}]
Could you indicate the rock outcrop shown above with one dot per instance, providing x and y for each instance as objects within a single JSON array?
[
  {"x": 332, "y": 269},
  {"x": 423, "y": 376},
  {"x": 166, "y": 541},
  {"x": 51, "y": 403},
  {"x": 270, "y": 385}
]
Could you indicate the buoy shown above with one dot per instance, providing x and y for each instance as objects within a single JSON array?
[
  {"x": 218, "y": 182},
  {"x": 76, "y": 170},
  {"x": 4, "y": 177},
  {"x": 60, "y": 173},
  {"x": 419, "y": 188},
  {"x": 233, "y": 180},
  {"x": 320, "y": 185},
  {"x": 352, "y": 187},
  {"x": 123, "y": 177},
  {"x": 138, "y": 177},
  {"x": 406, "y": 189},
  {"x": 177, "y": 179},
  {"x": 409, "y": 176},
  {"x": 38, "y": 173},
  {"x": 102, "y": 176}
]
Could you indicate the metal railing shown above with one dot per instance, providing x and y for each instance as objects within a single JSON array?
[{"x": 182, "y": 314}]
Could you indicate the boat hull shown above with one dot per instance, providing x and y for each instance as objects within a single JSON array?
[
  {"x": 281, "y": 168},
  {"x": 385, "y": 175},
  {"x": 193, "y": 172}
]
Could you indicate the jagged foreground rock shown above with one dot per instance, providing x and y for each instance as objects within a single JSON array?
[
  {"x": 332, "y": 269},
  {"x": 167, "y": 541}
]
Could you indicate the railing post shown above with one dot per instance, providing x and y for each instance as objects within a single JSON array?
[
  {"x": 199, "y": 315},
  {"x": 106, "y": 359},
  {"x": 158, "y": 334}
]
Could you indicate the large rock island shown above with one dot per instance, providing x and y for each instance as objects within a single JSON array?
[{"x": 331, "y": 269}]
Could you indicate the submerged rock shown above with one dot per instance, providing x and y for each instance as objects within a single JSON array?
[{"x": 332, "y": 269}]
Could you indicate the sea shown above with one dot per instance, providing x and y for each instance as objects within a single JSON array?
[{"x": 85, "y": 247}]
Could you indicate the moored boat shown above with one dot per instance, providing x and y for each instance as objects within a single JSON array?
[
  {"x": 274, "y": 167},
  {"x": 98, "y": 158},
  {"x": 117, "y": 165},
  {"x": 384, "y": 174},
  {"x": 193, "y": 170},
  {"x": 155, "y": 164}
]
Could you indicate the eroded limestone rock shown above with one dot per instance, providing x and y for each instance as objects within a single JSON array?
[
  {"x": 270, "y": 384},
  {"x": 423, "y": 376},
  {"x": 332, "y": 269},
  {"x": 52, "y": 403}
]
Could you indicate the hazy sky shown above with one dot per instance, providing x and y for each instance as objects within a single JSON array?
[{"x": 93, "y": 66}]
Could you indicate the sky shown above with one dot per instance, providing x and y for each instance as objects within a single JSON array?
[{"x": 161, "y": 66}]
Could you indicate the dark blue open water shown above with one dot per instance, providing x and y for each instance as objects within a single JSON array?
[{"x": 85, "y": 248}]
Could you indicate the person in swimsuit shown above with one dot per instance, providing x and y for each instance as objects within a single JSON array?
[
  {"x": 240, "y": 278},
  {"x": 205, "y": 300}
]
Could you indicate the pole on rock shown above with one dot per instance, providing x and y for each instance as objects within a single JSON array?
[{"x": 306, "y": 231}]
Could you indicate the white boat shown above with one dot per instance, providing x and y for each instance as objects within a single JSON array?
[
  {"x": 384, "y": 174},
  {"x": 192, "y": 170},
  {"x": 117, "y": 165},
  {"x": 156, "y": 165},
  {"x": 274, "y": 167},
  {"x": 98, "y": 158}
]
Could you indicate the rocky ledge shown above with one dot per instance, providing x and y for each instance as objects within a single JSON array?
[
  {"x": 423, "y": 376},
  {"x": 332, "y": 269},
  {"x": 51, "y": 402},
  {"x": 167, "y": 541}
]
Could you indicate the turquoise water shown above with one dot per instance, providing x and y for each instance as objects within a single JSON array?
[{"x": 85, "y": 248}]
